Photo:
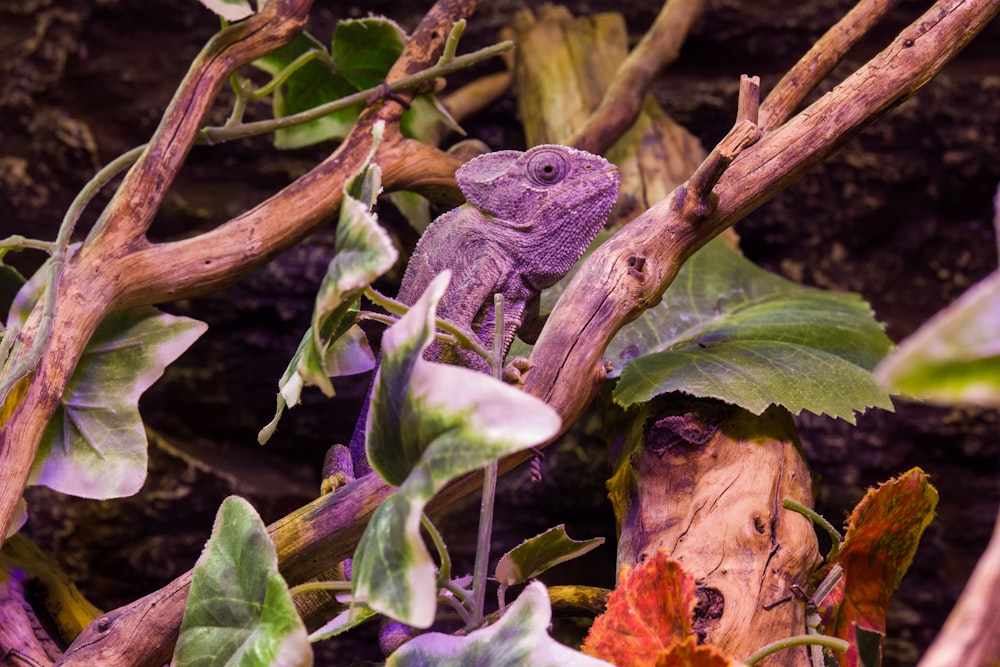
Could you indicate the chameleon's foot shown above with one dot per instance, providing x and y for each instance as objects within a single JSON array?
[
  {"x": 513, "y": 373},
  {"x": 338, "y": 470}
]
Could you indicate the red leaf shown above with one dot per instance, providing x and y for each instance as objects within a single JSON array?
[
  {"x": 882, "y": 536},
  {"x": 689, "y": 654},
  {"x": 650, "y": 611}
]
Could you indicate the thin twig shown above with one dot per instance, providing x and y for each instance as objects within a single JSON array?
[
  {"x": 213, "y": 135},
  {"x": 623, "y": 99},
  {"x": 819, "y": 60}
]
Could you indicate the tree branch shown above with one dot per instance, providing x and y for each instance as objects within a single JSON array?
[
  {"x": 93, "y": 281},
  {"x": 610, "y": 290},
  {"x": 623, "y": 99}
]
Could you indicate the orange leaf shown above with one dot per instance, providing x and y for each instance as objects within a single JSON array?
[
  {"x": 689, "y": 654},
  {"x": 882, "y": 536},
  {"x": 650, "y": 611}
]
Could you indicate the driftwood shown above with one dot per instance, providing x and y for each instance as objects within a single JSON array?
[{"x": 118, "y": 267}]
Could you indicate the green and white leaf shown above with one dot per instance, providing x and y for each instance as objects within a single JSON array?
[
  {"x": 428, "y": 424},
  {"x": 520, "y": 637},
  {"x": 729, "y": 330},
  {"x": 231, "y": 10},
  {"x": 955, "y": 356},
  {"x": 95, "y": 445},
  {"x": 362, "y": 53},
  {"x": 537, "y": 554},
  {"x": 334, "y": 345},
  {"x": 342, "y": 622},
  {"x": 239, "y": 611}
]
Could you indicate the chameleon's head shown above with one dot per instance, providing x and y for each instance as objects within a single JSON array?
[
  {"x": 560, "y": 197},
  {"x": 524, "y": 189}
]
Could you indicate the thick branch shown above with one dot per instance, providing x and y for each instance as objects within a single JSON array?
[
  {"x": 611, "y": 289},
  {"x": 92, "y": 282},
  {"x": 971, "y": 635},
  {"x": 819, "y": 60},
  {"x": 623, "y": 99}
]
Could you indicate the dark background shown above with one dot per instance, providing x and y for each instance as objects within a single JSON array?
[{"x": 901, "y": 214}]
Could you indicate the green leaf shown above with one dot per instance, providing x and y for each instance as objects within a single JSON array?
[
  {"x": 537, "y": 554},
  {"x": 239, "y": 611},
  {"x": 342, "y": 622},
  {"x": 231, "y": 10},
  {"x": 95, "y": 444},
  {"x": 364, "y": 50},
  {"x": 11, "y": 282},
  {"x": 309, "y": 86},
  {"x": 428, "y": 424},
  {"x": 334, "y": 345},
  {"x": 955, "y": 356},
  {"x": 362, "y": 53},
  {"x": 729, "y": 330},
  {"x": 520, "y": 637}
]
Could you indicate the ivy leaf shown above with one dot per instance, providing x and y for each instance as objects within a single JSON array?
[
  {"x": 955, "y": 356},
  {"x": 882, "y": 536},
  {"x": 650, "y": 611},
  {"x": 520, "y": 637},
  {"x": 95, "y": 445},
  {"x": 334, "y": 345},
  {"x": 231, "y": 10},
  {"x": 537, "y": 554},
  {"x": 729, "y": 330},
  {"x": 361, "y": 54},
  {"x": 239, "y": 611},
  {"x": 428, "y": 424}
]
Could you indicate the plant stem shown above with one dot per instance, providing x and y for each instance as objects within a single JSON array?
[
  {"x": 798, "y": 640},
  {"x": 444, "y": 571},
  {"x": 489, "y": 487},
  {"x": 820, "y": 521},
  {"x": 284, "y": 74},
  {"x": 18, "y": 242},
  {"x": 316, "y": 586},
  {"x": 59, "y": 250},
  {"x": 461, "y": 337},
  {"x": 213, "y": 135}
]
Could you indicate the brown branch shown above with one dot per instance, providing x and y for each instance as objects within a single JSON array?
[
  {"x": 971, "y": 635},
  {"x": 623, "y": 99},
  {"x": 92, "y": 281},
  {"x": 612, "y": 288},
  {"x": 819, "y": 60},
  {"x": 608, "y": 291}
]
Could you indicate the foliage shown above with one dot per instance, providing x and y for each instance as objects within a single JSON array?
[
  {"x": 518, "y": 638},
  {"x": 725, "y": 330},
  {"x": 334, "y": 344},
  {"x": 537, "y": 554},
  {"x": 729, "y": 330},
  {"x": 955, "y": 356},
  {"x": 649, "y": 620},
  {"x": 239, "y": 611},
  {"x": 428, "y": 424},
  {"x": 95, "y": 444},
  {"x": 882, "y": 536},
  {"x": 360, "y": 56}
]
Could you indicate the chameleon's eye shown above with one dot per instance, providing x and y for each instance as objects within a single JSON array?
[{"x": 547, "y": 167}]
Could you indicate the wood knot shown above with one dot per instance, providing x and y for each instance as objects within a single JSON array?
[
  {"x": 708, "y": 609},
  {"x": 691, "y": 428},
  {"x": 636, "y": 264}
]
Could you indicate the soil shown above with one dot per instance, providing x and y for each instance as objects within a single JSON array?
[{"x": 901, "y": 214}]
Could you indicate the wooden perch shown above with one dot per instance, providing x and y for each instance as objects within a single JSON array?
[{"x": 620, "y": 280}]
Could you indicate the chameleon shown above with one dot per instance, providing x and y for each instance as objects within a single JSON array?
[{"x": 528, "y": 217}]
